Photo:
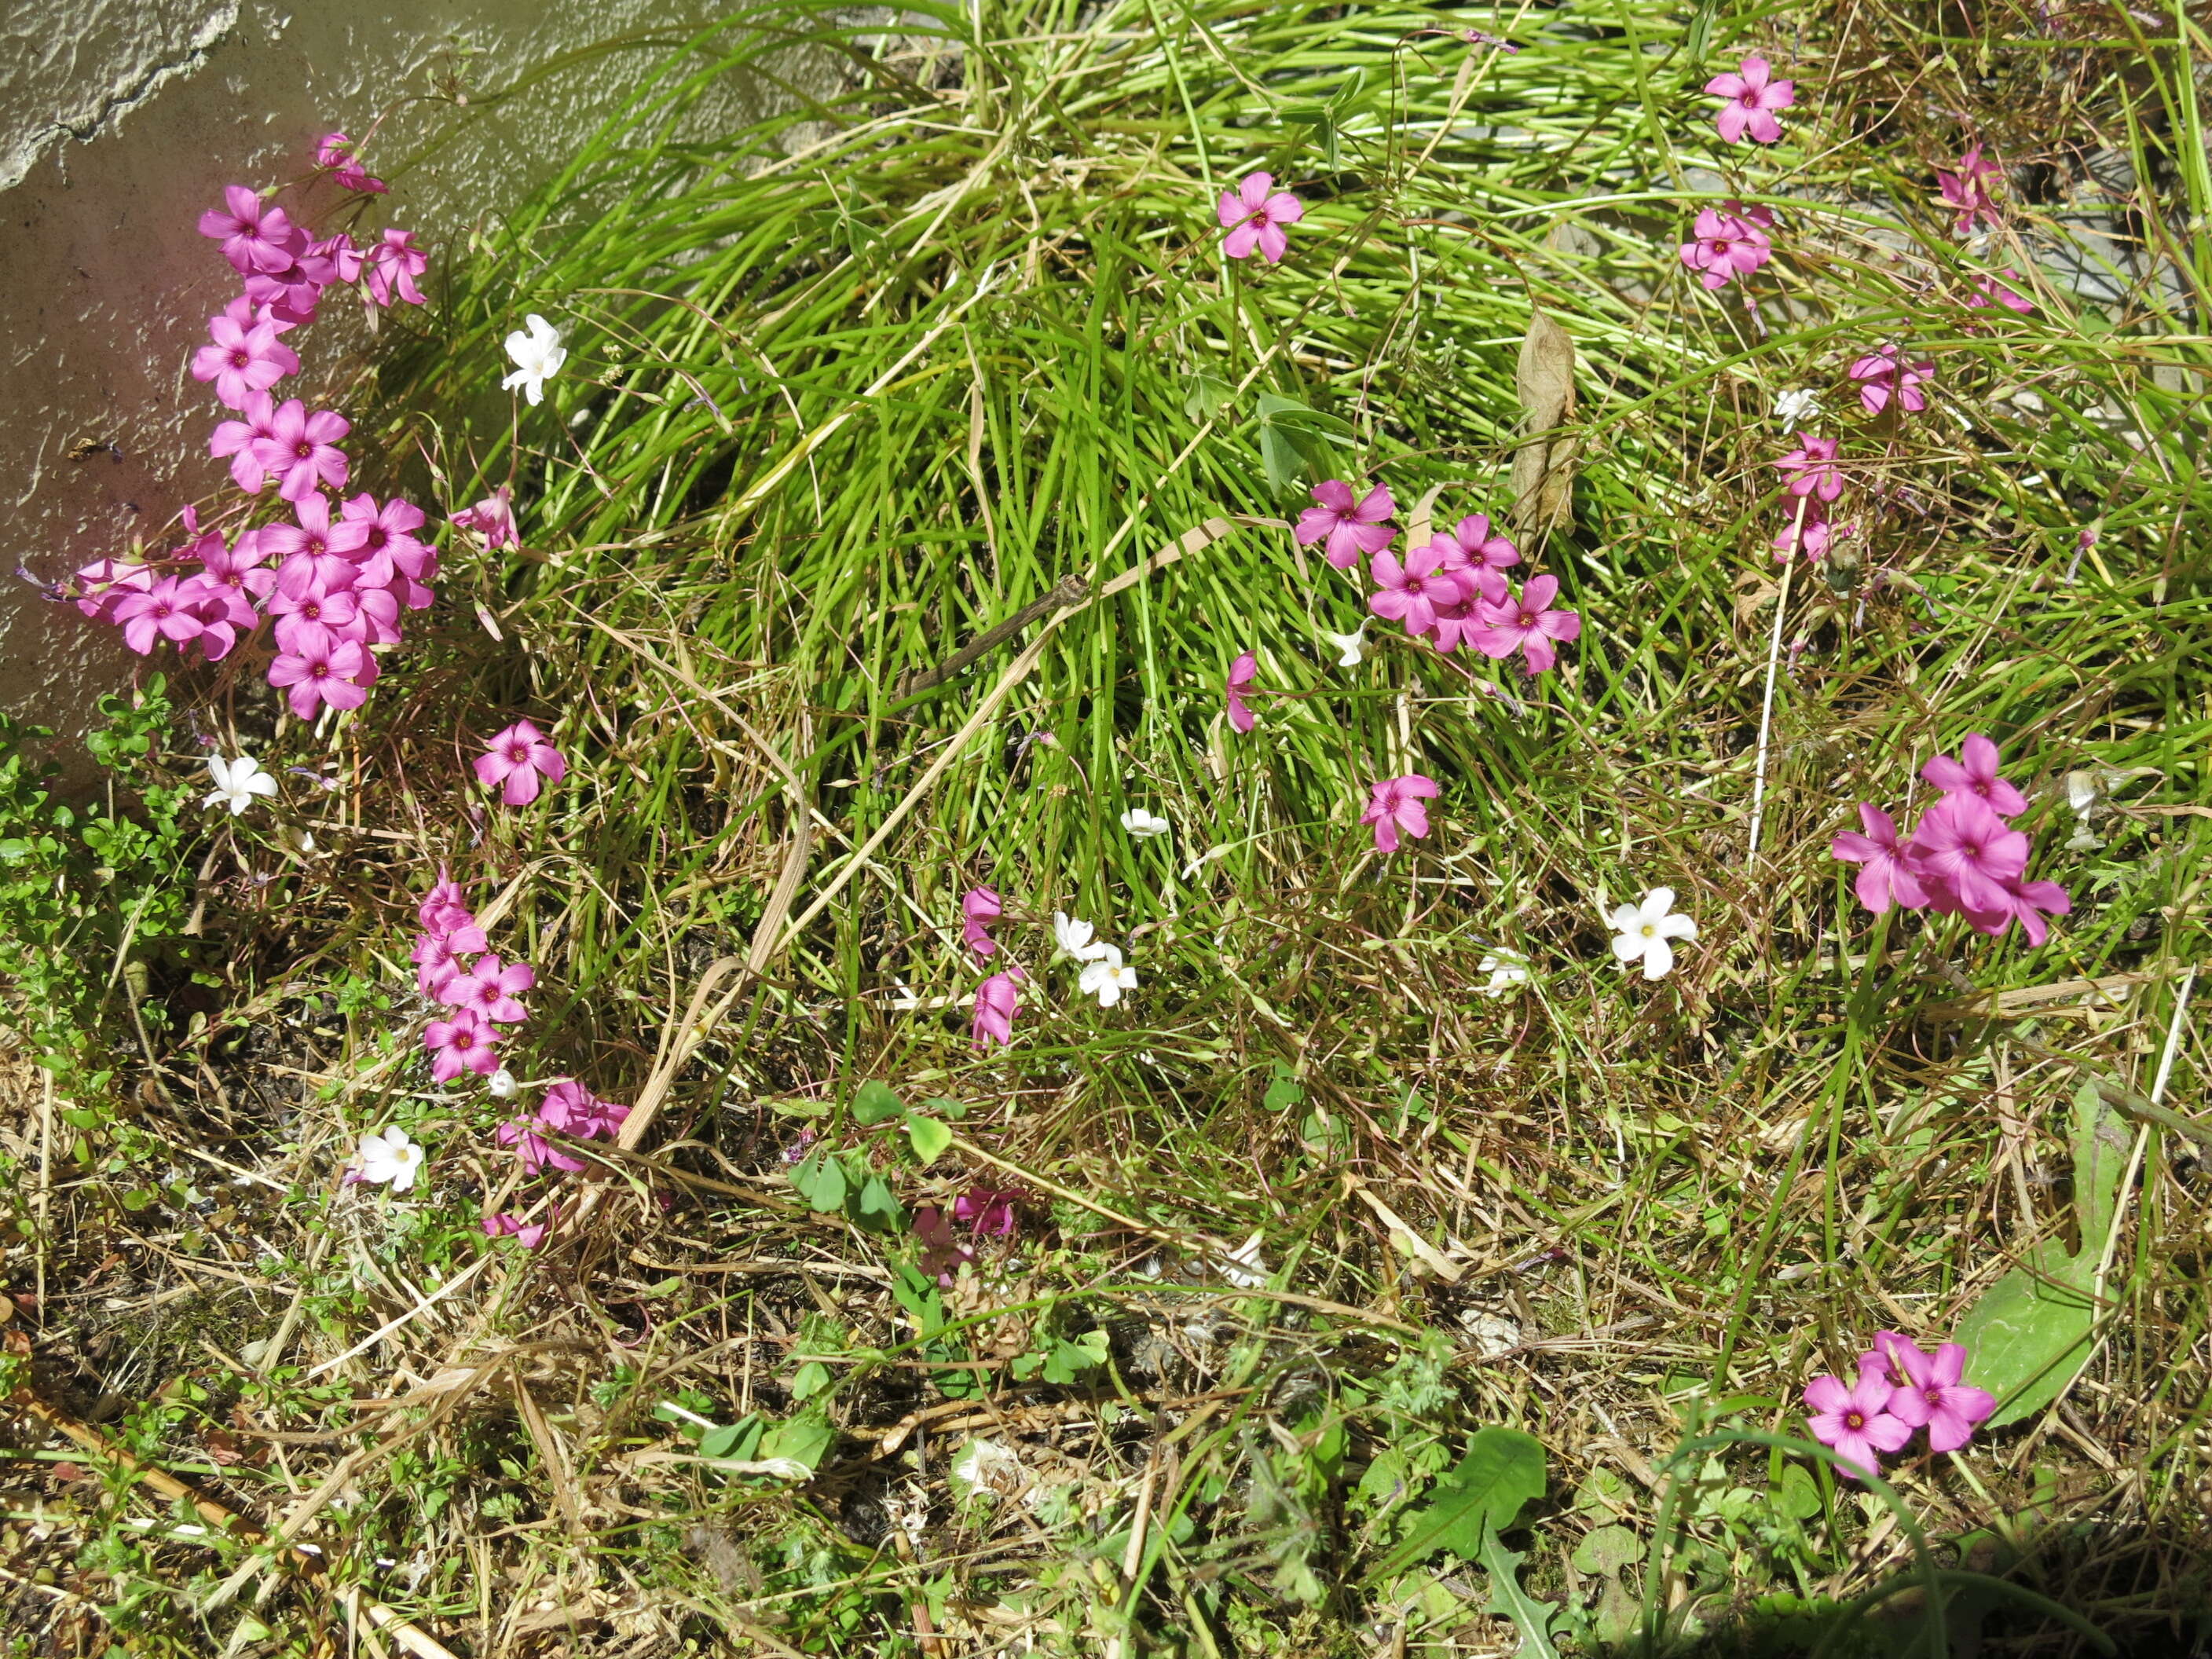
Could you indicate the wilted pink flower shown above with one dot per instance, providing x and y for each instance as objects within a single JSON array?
[
  {"x": 944, "y": 1252},
  {"x": 490, "y": 990},
  {"x": 1856, "y": 1422},
  {"x": 1967, "y": 190},
  {"x": 987, "y": 1210},
  {"x": 106, "y": 583},
  {"x": 1254, "y": 219},
  {"x": 1395, "y": 803},
  {"x": 1932, "y": 1397},
  {"x": 301, "y": 451},
  {"x": 254, "y": 236},
  {"x": 445, "y": 911},
  {"x": 1964, "y": 853},
  {"x": 1811, "y": 468},
  {"x": 536, "y": 1151},
  {"x": 1886, "y": 879},
  {"x": 336, "y": 152},
  {"x": 1751, "y": 100},
  {"x": 1411, "y": 592},
  {"x": 573, "y": 1110},
  {"x": 463, "y": 1044},
  {"x": 1728, "y": 247},
  {"x": 1240, "y": 672},
  {"x": 393, "y": 265},
  {"x": 516, "y": 758},
  {"x": 1528, "y": 624},
  {"x": 1987, "y": 291},
  {"x": 493, "y": 519},
  {"x": 1881, "y": 372},
  {"x": 996, "y": 1000},
  {"x": 528, "y": 1234},
  {"x": 1975, "y": 772},
  {"x": 1350, "y": 529},
  {"x": 979, "y": 908},
  {"x": 242, "y": 360},
  {"x": 321, "y": 668}
]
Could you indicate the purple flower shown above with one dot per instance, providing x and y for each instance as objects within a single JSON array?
[
  {"x": 493, "y": 519},
  {"x": 1967, "y": 190},
  {"x": 242, "y": 360},
  {"x": 943, "y": 1251},
  {"x": 1810, "y": 529},
  {"x": 528, "y": 1234},
  {"x": 242, "y": 440},
  {"x": 1855, "y": 1422},
  {"x": 536, "y": 1151},
  {"x": 1932, "y": 1397},
  {"x": 1888, "y": 878},
  {"x": 987, "y": 1210},
  {"x": 1963, "y": 852},
  {"x": 490, "y": 990},
  {"x": 516, "y": 759},
  {"x": 254, "y": 236},
  {"x": 1473, "y": 545},
  {"x": 1240, "y": 717},
  {"x": 1528, "y": 624},
  {"x": 573, "y": 1110},
  {"x": 2026, "y": 902},
  {"x": 1975, "y": 772},
  {"x": 1411, "y": 592},
  {"x": 320, "y": 668},
  {"x": 1727, "y": 245},
  {"x": 393, "y": 265},
  {"x": 979, "y": 908},
  {"x": 301, "y": 451},
  {"x": 1881, "y": 372},
  {"x": 1812, "y": 468},
  {"x": 1752, "y": 100},
  {"x": 1987, "y": 291},
  {"x": 163, "y": 611},
  {"x": 1254, "y": 218},
  {"x": 996, "y": 1001},
  {"x": 1350, "y": 529},
  {"x": 463, "y": 1044},
  {"x": 1395, "y": 803}
]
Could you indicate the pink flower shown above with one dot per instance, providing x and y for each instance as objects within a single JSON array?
[
  {"x": 979, "y": 908},
  {"x": 232, "y": 569},
  {"x": 335, "y": 151},
  {"x": 1887, "y": 878},
  {"x": 321, "y": 668},
  {"x": 1987, "y": 291},
  {"x": 987, "y": 1210},
  {"x": 1812, "y": 531},
  {"x": 1883, "y": 1358},
  {"x": 1350, "y": 530},
  {"x": 445, "y": 911},
  {"x": 1254, "y": 219},
  {"x": 388, "y": 542},
  {"x": 242, "y": 360},
  {"x": 301, "y": 451},
  {"x": 944, "y": 1252},
  {"x": 333, "y": 610},
  {"x": 1967, "y": 190},
  {"x": 517, "y": 758},
  {"x": 2026, "y": 902},
  {"x": 1813, "y": 468},
  {"x": 528, "y": 1234},
  {"x": 254, "y": 236},
  {"x": 1934, "y": 1397},
  {"x": 493, "y": 519},
  {"x": 1963, "y": 852},
  {"x": 1855, "y": 1422},
  {"x": 1752, "y": 100},
  {"x": 1395, "y": 803},
  {"x": 463, "y": 1044},
  {"x": 573, "y": 1110},
  {"x": 996, "y": 1000},
  {"x": 162, "y": 611},
  {"x": 537, "y": 1153},
  {"x": 437, "y": 959},
  {"x": 242, "y": 440},
  {"x": 316, "y": 555},
  {"x": 1528, "y": 624},
  {"x": 1411, "y": 592},
  {"x": 1880, "y": 372},
  {"x": 1727, "y": 247},
  {"x": 1240, "y": 717},
  {"x": 393, "y": 265},
  {"x": 294, "y": 291},
  {"x": 1975, "y": 772},
  {"x": 106, "y": 583},
  {"x": 1473, "y": 545},
  {"x": 490, "y": 990}
]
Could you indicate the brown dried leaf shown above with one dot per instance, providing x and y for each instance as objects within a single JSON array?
[{"x": 1543, "y": 471}]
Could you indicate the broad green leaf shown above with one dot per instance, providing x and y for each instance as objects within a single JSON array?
[
  {"x": 809, "y": 1380},
  {"x": 1503, "y": 1469},
  {"x": 877, "y": 1103},
  {"x": 2029, "y": 1332},
  {"x": 874, "y": 1207},
  {"x": 2100, "y": 1157},
  {"x": 821, "y": 1181},
  {"x": 1533, "y": 1618},
  {"x": 806, "y": 1438},
  {"x": 930, "y": 1136},
  {"x": 738, "y": 1439}
]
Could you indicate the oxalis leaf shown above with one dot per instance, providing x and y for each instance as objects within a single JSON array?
[
  {"x": 1503, "y": 1469},
  {"x": 930, "y": 1137}
]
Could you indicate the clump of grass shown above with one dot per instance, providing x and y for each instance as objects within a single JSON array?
[{"x": 866, "y": 381}]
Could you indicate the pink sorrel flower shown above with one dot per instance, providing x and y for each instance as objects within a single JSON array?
[
  {"x": 573, "y": 1110},
  {"x": 1350, "y": 529},
  {"x": 1809, "y": 528},
  {"x": 336, "y": 152},
  {"x": 1855, "y": 1422},
  {"x": 293, "y": 292},
  {"x": 1811, "y": 468},
  {"x": 2026, "y": 902},
  {"x": 242, "y": 440},
  {"x": 463, "y": 1044},
  {"x": 393, "y": 265},
  {"x": 491, "y": 989},
  {"x": 388, "y": 542},
  {"x": 444, "y": 912},
  {"x": 254, "y": 235},
  {"x": 493, "y": 519},
  {"x": 536, "y": 1151},
  {"x": 162, "y": 611},
  {"x": 979, "y": 908},
  {"x": 1975, "y": 772},
  {"x": 242, "y": 360},
  {"x": 1967, "y": 190},
  {"x": 987, "y": 1210},
  {"x": 944, "y": 1252},
  {"x": 1883, "y": 1358},
  {"x": 1752, "y": 100},
  {"x": 301, "y": 451},
  {"x": 1932, "y": 1397},
  {"x": 1395, "y": 803},
  {"x": 1880, "y": 374},
  {"x": 106, "y": 583},
  {"x": 314, "y": 555},
  {"x": 528, "y": 1234},
  {"x": 1727, "y": 245},
  {"x": 330, "y": 608},
  {"x": 996, "y": 1001},
  {"x": 1963, "y": 852},
  {"x": 1241, "y": 672},
  {"x": 1528, "y": 624},
  {"x": 1987, "y": 291},
  {"x": 438, "y": 960},
  {"x": 1473, "y": 545},
  {"x": 1888, "y": 878},
  {"x": 343, "y": 256},
  {"x": 516, "y": 759},
  {"x": 1413, "y": 592},
  {"x": 1254, "y": 219},
  {"x": 321, "y": 668}
]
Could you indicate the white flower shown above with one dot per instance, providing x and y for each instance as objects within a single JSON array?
[
  {"x": 1644, "y": 929},
  {"x": 2081, "y": 792},
  {"x": 1143, "y": 825},
  {"x": 1506, "y": 970},
  {"x": 1794, "y": 409},
  {"x": 501, "y": 1083},
  {"x": 388, "y": 1156},
  {"x": 986, "y": 1469},
  {"x": 536, "y": 355},
  {"x": 1242, "y": 1266},
  {"x": 1074, "y": 938},
  {"x": 1106, "y": 978},
  {"x": 1348, "y": 646},
  {"x": 237, "y": 782}
]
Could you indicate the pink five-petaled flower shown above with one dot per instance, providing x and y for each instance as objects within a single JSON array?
[
  {"x": 321, "y": 668},
  {"x": 537, "y": 1153},
  {"x": 493, "y": 519},
  {"x": 1882, "y": 373},
  {"x": 1967, "y": 190},
  {"x": 389, "y": 546},
  {"x": 1855, "y": 1422},
  {"x": 490, "y": 990},
  {"x": 573, "y": 1110},
  {"x": 463, "y": 1044},
  {"x": 254, "y": 236},
  {"x": 1752, "y": 100},
  {"x": 1413, "y": 592},
  {"x": 1528, "y": 624},
  {"x": 1395, "y": 803},
  {"x": 2026, "y": 902},
  {"x": 1811, "y": 469},
  {"x": 1240, "y": 717},
  {"x": 1963, "y": 851},
  {"x": 393, "y": 265},
  {"x": 1254, "y": 218},
  {"x": 1886, "y": 879},
  {"x": 1932, "y": 1397},
  {"x": 979, "y": 908},
  {"x": 335, "y": 151},
  {"x": 242, "y": 441},
  {"x": 528, "y": 1234},
  {"x": 987, "y": 1210},
  {"x": 515, "y": 759},
  {"x": 1809, "y": 528},
  {"x": 1987, "y": 291},
  {"x": 996, "y": 999},
  {"x": 1471, "y": 545},
  {"x": 301, "y": 451},
  {"x": 1727, "y": 245},
  {"x": 444, "y": 912},
  {"x": 437, "y": 960},
  {"x": 1975, "y": 772},
  {"x": 242, "y": 360},
  {"x": 163, "y": 611},
  {"x": 1350, "y": 529}
]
